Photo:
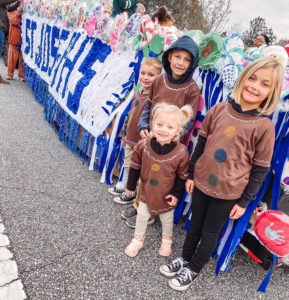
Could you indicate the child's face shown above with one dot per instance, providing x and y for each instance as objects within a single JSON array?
[
  {"x": 180, "y": 60},
  {"x": 165, "y": 127},
  {"x": 256, "y": 89},
  {"x": 146, "y": 76}
]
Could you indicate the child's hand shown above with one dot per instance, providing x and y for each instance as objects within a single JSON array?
[
  {"x": 172, "y": 200},
  {"x": 190, "y": 186},
  {"x": 144, "y": 133},
  {"x": 237, "y": 212}
]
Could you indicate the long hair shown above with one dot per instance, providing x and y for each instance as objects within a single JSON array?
[{"x": 270, "y": 103}]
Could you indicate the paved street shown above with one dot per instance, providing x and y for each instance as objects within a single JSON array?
[{"x": 66, "y": 234}]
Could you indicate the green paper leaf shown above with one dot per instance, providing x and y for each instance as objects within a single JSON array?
[
  {"x": 210, "y": 50},
  {"x": 137, "y": 87},
  {"x": 137, "y": 42},
  {"x": 146, "y": 51},
  {"x": 157, "y": 44}
]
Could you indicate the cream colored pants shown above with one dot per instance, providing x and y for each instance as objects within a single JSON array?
[{"x": 143, "y": 216}]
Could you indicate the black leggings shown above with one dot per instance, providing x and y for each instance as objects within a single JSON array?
[{"x": 208, "y": 218}]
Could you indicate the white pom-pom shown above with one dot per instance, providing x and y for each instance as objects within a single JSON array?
[{"x": 277, "y": 52}]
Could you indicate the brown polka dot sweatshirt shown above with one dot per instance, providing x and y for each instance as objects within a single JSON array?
[
  {"x": 235, "y": 142},
  {"x": 158, "y": 173}
]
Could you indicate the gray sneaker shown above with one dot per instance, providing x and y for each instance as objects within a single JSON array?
[
  {"x": 128, "y": 213},
  {"x": 115, "y": 191},
  {"x": 131, "y": 221}
]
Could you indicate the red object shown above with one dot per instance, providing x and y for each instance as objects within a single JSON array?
[
  {"x": 287, "y": 47},
  {"x": 251, "y": 254},
  {"x": 272, "y": 229}
]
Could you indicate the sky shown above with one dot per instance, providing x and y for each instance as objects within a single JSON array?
[{"x": 275, "y": 13}]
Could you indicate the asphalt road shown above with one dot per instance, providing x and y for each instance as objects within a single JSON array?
[{"x": 66, "y": 233}]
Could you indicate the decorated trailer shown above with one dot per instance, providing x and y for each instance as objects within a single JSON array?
[{"x": 82, "y": 66}]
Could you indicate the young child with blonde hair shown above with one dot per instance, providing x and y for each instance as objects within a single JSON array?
[
  {"x": 161, "y": 162},
  {"x": 150, "y": 68},
  {"x": 229, "y": 165}
]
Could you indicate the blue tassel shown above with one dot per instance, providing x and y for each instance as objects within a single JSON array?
[
  {"x": 91, "y": 143},
  {"x": 121, "y": 160},
  {"x": 104, "y": 156},
  {"x": 282, "y": 151},
  {"x": 84, "y": 146},
  {"x": 100, "y": 142},
  {"x": 188, "y": 222},
  {"x": 180, "y": 208},
  {"x": 113, "y": 160},
  {"x": 67, "y": 131},
  {"x": 75, "y": 137},
  {"x": 264, "y": 284}
]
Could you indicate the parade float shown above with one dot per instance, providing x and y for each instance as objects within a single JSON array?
[{"x": 82, "y": 65}]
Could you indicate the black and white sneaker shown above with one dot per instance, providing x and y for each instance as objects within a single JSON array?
[
  {"x": 175, "y": 266},
  {"x": 115, "y": 191},
  {"x": 185, "y": 277},
  {"x": 124, "y": 199}
]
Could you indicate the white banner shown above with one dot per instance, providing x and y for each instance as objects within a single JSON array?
[{"x": 84, "y": 76}]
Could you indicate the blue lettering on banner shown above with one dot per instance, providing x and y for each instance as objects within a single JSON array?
[
  {"x": 70, "y": 66},
  {"x": 33, "y": 29},
  {"x": 71, "y": 45},
  {"x": 54, "y": 49},
  {"x": 38, "y": 56},
  {"x": 30, "y": 28},
  {"x": 46, "y": 50},
  {"x": 99, "y": 51},
  {"x": 59, "y": 64},
  {"x": 27, "y": 39}
]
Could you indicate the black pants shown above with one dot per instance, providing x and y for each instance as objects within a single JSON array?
[{"x": 208, "y": 218}]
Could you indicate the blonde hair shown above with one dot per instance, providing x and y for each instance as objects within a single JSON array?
[
  {"x": 152, "y": 62},
  {"x": 270, "y": 103},
  {"x": 183, "y": 114}
]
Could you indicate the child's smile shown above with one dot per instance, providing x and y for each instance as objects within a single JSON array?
[
  {"x": 165, "y": 128},
  {"x": 180, "y": 61},
  {"x": 256, "y": 89}
]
